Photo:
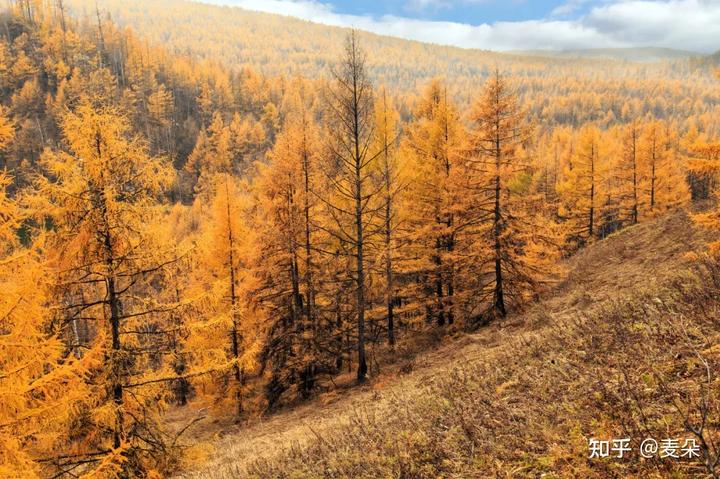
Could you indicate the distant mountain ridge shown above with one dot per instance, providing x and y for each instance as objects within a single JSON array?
[
  {"x": 641, "y": 54},
  {"x": 276, "y": 45}
]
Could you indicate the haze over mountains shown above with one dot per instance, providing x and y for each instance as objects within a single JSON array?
[{"x": 645, "y": 54}]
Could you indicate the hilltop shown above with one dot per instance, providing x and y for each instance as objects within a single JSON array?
[{"x": 624, "y": 337}]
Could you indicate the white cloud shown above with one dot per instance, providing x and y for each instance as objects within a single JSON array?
[
  {"x": 684, "y": 24},
  {"x": 570, "y": 6},
  {"x": 435, "y": 5},
  {"x": 420, "y": 5}
]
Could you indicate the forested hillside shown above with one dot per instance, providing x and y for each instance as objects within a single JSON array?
[
  {"x": 214, "y": 240},
  {"x": 556, "y": 91}
]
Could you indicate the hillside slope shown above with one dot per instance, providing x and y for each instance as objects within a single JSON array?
[{"x": 610, "y": 353}]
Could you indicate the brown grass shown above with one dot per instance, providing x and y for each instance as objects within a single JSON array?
[{"x": 621, "y": 348}]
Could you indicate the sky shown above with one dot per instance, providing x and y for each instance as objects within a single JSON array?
[{"x": 518, "y": 24}]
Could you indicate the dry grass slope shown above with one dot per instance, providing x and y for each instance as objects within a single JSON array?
[{"x": 626, "y": 346}]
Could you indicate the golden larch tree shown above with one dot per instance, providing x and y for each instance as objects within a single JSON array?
[
  {"x": 285, "y": 262},
  {"x": 95, "y": 198},
  {"x": 392, "y": 183},
  {"x": 663, "y": 180},
  {"x": 40, "y": 384},
  {"x": 581, "y": 188},
  {"x": 512, "y": 245},
  {"x": 431, "y": 148},
  {"x": 224, "y": 341}
]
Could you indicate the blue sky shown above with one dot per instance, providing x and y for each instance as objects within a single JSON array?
[
  {"x": 474, "y": 12},
  {"x": 505, "y": 25}
]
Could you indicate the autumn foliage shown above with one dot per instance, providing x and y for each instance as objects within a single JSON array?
[{"x": 177, "y": 234}]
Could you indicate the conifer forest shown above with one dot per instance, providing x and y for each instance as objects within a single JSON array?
[{"x": 237, "y": 244}]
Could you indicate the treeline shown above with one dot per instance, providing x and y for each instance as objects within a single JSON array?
[{"x": 172, "y": 232}]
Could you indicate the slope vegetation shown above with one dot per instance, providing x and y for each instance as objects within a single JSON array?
[{"x": 625, "y": 347}]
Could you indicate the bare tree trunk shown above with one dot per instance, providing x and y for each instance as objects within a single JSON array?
[
  {"x": 499, "y": 296},
  {"x": 309, "y": 286},
  {"x": 362, "y": 364},
  {"x": 449, "y": 239},
  {"x": 117, "y": 388},
  {"x": 653, "y": 177}
]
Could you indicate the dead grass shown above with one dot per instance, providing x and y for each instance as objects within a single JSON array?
[{"x": 619, "y": 349}]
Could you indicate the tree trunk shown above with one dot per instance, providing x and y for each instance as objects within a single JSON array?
[
  {"x": 113, "y": 301},
  {"x": 309, "y": 286},
  {"x": 592, "y": 192},
  {"x": 499, "y": 297},
  {"x": 117, "y": 388},
  {"x": 499, "y": 294},
  {"x": 634, "y": 165},
  {"x": 362, "y": 364},
  {"x": 234, "y": 335},
  {"x": 652, "y": 179}
]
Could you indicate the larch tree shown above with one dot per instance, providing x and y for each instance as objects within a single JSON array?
[
  {"x": 386, "y": 141},
  {"x": 352, "y": 204},
  {"x": 547, "y": 167},
  {"x": 509, "y": 235},
  {"x": 580, "y": 190},
  {"x": 694, "y": 147},
  {"x": 7, "y": 132},
  {"x": 663, "y": 180},
  {"x": 629, "y": 173},
  {"x": 285, "y": 263},
  {"x": 224, "y": 341},
  {"x": 175, "y": 286},
  {"x": 431, "y": 147},
  {"x": 705, "y": 165},
  {"x": 213, "y": 153},
  {"x": 96, "y": 197},
  {"x": 40, "y": 384},
  {"x": 160, "y": 109},
  {"x": 306, "y": 153}
]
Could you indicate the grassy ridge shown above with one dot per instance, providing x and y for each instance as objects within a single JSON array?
[{"x": 622, "y": 349}]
